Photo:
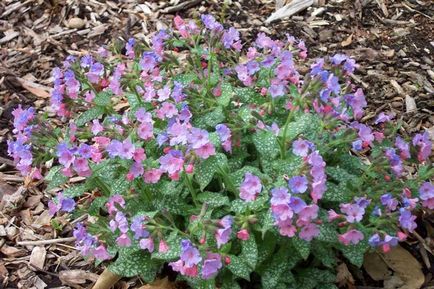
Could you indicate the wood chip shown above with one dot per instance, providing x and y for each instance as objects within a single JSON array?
[
  {"x": 37, "y": 258},
  {"x": 290, "y": 9}
]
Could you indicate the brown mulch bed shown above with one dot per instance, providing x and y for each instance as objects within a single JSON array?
[{"x": 393, "y": 43}]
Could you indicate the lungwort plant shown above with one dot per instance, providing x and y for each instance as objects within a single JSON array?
[{"x": 222, "y": 162}]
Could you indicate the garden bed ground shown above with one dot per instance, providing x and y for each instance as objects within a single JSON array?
[{"x": 393, "y": 43}]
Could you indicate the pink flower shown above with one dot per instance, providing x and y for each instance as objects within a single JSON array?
[
  {"x": 309, "y": 231},
  {"x": 250, "y": 188},
  {"x": 206, "y": 150},
  {"x": 147, "y": 244},
  {"x": 152, "y": 176},
  {"x": 351, "y": 237},
  {"x": 163, "y": 247},
  {"x": 123, "y": 240},
  {"x": 243, "y": 234}
]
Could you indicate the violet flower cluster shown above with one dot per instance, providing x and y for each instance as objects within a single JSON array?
[{"x": 198, "y": 151}]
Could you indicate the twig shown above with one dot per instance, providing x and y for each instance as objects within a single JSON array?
[
  {"x": 180, "y": 6},
  {"x": 45, "y": 242}
]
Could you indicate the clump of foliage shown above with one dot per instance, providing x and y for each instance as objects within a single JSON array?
[{"x": 224, "y": 162}]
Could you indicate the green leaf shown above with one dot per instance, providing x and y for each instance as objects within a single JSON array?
[
  {"x": 214, "y": 200},
  {"x": 327, "y": 286},
  {"x": 227, "y": 92},
  {"x": 103, "y": 98},
  {"x": 355, "y": 253},
  {"x": 275, "y": 268},
  {"x": 239, "y": 268},
  {"x": 211, "y": 119},
  {"x": 89, "y": 115},
  {"x": 55, "y": 178},
  {"x": 132, "y": 262},
  {"x": 336, "y": 193},
  {"x": 341, "y": 175},
  {"x": 206, "y": 170},
  {"x": 306, "y": 124},
  {"x": 327, "y": 233},
  {"x": 75, "y": 191},
  {"x": 249, "y": 95},
  {"x": 266, "y": 144},
  {"x": 186, "y": 78},
  {"x": 230, "y": 284},
  {"x": 96, "y": 205},
  {"x": 133, "y": 100},
  {"x": 324, "y": 253},
  {"x": 266, "y": 247},
  {"x": 302, "y": 247},
  {"x": 249, "y": 251}
]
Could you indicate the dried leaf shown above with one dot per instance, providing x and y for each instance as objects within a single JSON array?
[
  {"x": 344, "y": 277},
  {"x": 74, "y": 277},
  {"x": 347, "y": 41},
  {"x": 406, "y": 267},
  {"x": 375, "y": 267}
]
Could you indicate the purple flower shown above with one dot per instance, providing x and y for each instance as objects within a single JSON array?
[
  {"x": 95, "y": 72},
  {"x": 138, "y": 227},
  {"x": 206, "y": 150},
  {"x": 425, "y": 145},
  {"x": 263, "y": 41},
  {"x": 250, "y": 187},
  {"x": 172, "y": 162},
  {"x": 276, "y": 90},
  {"x": 101, "y": 253},
  {"x": 395, "y": 161},
  {"x": 298, "y": 184},
  {"x": 190, "y": 255},
  {"x": 123, "y": 240},
  {"x": 317, "y": 67},
  {"x": 114, "y": 148},
  {"x": 300, "y": 147},
  {"x": 210, "y": 23},
  {"x": 403, "y": 147},
  {"x": 338, "y": 58},
  {"x": 223, "y": 234},
  {"x": 309, "y": 231},
  {"x": 129, "y": 47},
  {"x": 225, "y": 135},
  {"x": 382, "y": 117},
  {"x": 406, "y": 219},
  {"x": 167, "y": 110},
  {"x": 230, "y": 36},
  {"x": 389, "y": 201},
  {"x": 111, "y": 204},
  {"x": 148, "y": 61},
  {"x": 357, "y": 102},
  {"x": 357, "y": 145},
  {"x": 211, "y": 265},
  {"x": 22, "y": 117},
  {"x": 127, "y": 150},
  {"x": 351, "y": 237},
  {"x": 145, "y": 130},
  {"x": 354, "y": 213},
  {"x": 198, "y": 137},
  {"x": 426, "y": 193},
  {"x": 297, "y": 204},
  {"x": 375, "y": 240},
  {"x": 63, "y": 204},
  {"x": 280, "y": 196},
  {"x": 147, "y": 244}
]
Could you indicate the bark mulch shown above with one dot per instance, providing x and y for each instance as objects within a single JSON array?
[{"x": 393, "y": 41}]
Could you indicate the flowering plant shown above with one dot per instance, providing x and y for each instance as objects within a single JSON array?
[{"x": 223, "y": 162}]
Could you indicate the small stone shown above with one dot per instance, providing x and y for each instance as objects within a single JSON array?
[
  {"x": 76, "y": 23},
  {"x": 11, "y": 232}
]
